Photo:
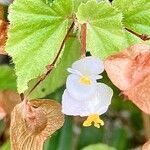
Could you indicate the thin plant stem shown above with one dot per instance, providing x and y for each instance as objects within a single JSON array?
[
  {"x": 52, "y": 65},
  {"x": 144, "y": 37},
  {"x": 83, "y": 40}
]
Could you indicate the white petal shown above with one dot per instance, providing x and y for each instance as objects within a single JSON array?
[
  {"x": 96, "y": 105},
  {"x": 73, "y": 107},
  {"x": 89, "y": 66},
  {"x": 101, "y": 100},
  {"x": 73, "y": 71},
  {"x": 78, "y": 90},
  {"x": 5, "y": 2},
  {"x": 105, "y": 93}
]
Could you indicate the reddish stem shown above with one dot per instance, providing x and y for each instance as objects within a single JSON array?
[{"x": 83, "y": 40}]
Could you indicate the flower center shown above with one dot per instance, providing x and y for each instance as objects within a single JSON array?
[
  {"x": 85, "y": 80},
  {"x": 95, "y": 119}
]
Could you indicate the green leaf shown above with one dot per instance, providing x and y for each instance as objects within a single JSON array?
[
  {"x": 58, "y": 76},
  {"x": 77, "y": 4},
  {"x": 65, "y": 140},
  {"x": 104, "y": 29},
  {"x": 49, "y": 1},
  {"x": 52, "y": 142},
  {"x": 35, "y": 35},
  {"x": 136, "y": 14},
  {"x": 92, "y": 134},
  {"x": 98, "y": 147},
  {"x": 119, "y": 139},
  {"x": 6, "y": 146},
  {"x": 7, "y": 78},
  {"x": 62, "y": 139},
  {"x": 2, "y": 126},
  {"x": 132, "y": 39}
]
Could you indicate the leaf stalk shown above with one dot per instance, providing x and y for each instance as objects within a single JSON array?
[
  {"x": 144, "y": 37},
  {"x": 83, "y": 40},
  {"x": 53, "y": 64}
]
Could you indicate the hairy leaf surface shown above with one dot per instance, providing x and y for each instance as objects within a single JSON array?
[
  {"x": 58, "y": 76},
  {"x": 136, "y": 14},
  {"x": 35, "y": 35},
  {"x": 104, "y": 28}
]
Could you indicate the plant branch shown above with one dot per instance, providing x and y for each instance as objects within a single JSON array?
[
  {"x": 52, "y": 65},
  {"x": 83, "y": 40},
  {"x": 144, "y": 37}
]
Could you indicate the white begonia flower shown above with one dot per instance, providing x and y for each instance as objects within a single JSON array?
[
  {"x": 6, "y": 2},
  {"x": 91, "y": 107},
  {"x": 81, "y": 84}
]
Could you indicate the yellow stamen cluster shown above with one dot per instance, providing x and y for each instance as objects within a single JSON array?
[
  {"x": 85, "y": 80},
  {"x": 93, "y": 119}
]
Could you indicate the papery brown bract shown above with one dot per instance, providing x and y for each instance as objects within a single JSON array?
[
  {"x": 1, "y": 12},
  {"x": 146, "y": 146},
  {"x": 129, "y": 70},
  {"x": 8, "y": 100},
  {"x": 140, "y": 94},
  {"x": 33, "y": 122},
  {"x": 3, "y": 36}
]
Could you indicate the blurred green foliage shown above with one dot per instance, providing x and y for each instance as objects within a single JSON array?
[{"x": 98, "y": 147}]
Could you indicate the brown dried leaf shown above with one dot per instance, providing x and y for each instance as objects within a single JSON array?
[
  {"x": 33, "y": 122},
  {"x": 146, "y": 146},
  {"x": 3, "y": 36},
  {"x": 129, "y": 71},
  {"x": 140, "y": 95},
  {"x": 1, "y": 12},
  {"x": 8, "y": 100}
]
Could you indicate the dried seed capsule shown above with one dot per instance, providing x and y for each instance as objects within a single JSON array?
[{"x": 33, "y": 122}]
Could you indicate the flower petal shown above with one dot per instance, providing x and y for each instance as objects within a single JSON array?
[
  {"x": 79, "y": 90},
  {"x": 89, "y": 66},
  {"x": 73, "y": 107},
  {"x": 6, "y": 2},
  {"x": 73, "y": 71},
  {"x": 101, "y": 100},
  {"x": 98, "y": 104}
]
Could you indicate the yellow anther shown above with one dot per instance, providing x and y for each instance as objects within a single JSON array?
[
  {"x": 93, "y": 119},
  {"x": 85, "y": 80}
]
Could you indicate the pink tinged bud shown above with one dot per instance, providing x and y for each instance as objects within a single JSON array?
[{"x": 129, "y": 70}]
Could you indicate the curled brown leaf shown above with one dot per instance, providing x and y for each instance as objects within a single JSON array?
[
  {"x": 140, "y": 94},
  {"x": 3, "y": 36},
  {"x": 8, "y": 100},
  {"x": 1, "y": 12},
  {"x": 129, "y": 70},
  {"x": 33, "y": 122},
  {"x": 146, "y": 146}
]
